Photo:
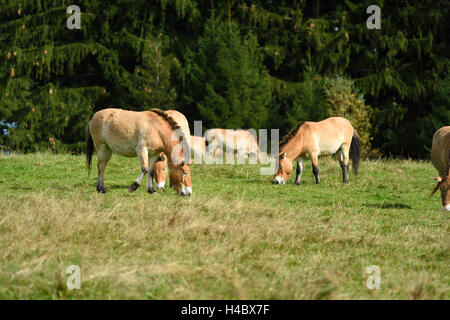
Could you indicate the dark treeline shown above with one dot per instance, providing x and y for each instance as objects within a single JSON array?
[{"x": 232, "y": 64}]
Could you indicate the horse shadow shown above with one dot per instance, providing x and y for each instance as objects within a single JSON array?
[{"x": 388, "y": 205}]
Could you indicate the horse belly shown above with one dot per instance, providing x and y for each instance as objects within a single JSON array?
[
  {"x": 122, "y": 141},
  {"x": 327, "y": 148}
]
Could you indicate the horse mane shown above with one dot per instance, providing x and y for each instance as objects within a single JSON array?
[
  {"x": 291, "y": 134},
  {"x": 166, "y": 117}
]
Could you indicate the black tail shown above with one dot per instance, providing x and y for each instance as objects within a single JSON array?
[
  {"x": 89, "y": 149},
  {"x": 355, "y": 152}
]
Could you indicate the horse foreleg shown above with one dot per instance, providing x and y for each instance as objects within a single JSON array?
[
  {"x": 143, "y": 159},
  {"x": 299, "y": 171},
  {"x": 315, "y": 165},
  {"x": 103, "y": 156},
  {"x": 151, "y": 175}
]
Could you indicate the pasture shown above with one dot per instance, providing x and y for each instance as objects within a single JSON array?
[{"x": 238, "y": 237}]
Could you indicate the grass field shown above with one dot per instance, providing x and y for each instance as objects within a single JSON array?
[{"x": 237, "y": 237}]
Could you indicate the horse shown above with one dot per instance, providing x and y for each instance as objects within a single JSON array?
[
  {"x": 314, "y": 139},
  {"x": 242, "y": 142},
  {"x": 440, "y": 157},
  {"x": 144, "y": 134}
]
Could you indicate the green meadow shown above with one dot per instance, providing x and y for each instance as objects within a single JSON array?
[{"x": 238, "y": 237}]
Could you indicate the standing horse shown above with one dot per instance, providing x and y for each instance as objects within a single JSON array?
[
  {"x": 440, "y": 157},
  {"x": 314, "y": 139},
  {"x": 143, "y": 134}
]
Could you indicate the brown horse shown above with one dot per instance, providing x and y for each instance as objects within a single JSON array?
[
  {"x": 314, "y": 139},
  {"x": 440, "y": 157},
  {"x": 143, "y": 134}
]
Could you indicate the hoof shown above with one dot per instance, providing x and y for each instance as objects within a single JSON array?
[
  {"x": 101, "y": 189},
  {"x": 151, "y": 190},
  {"x": 133, "y": 187},
  {"x": 296, "y": 183}
]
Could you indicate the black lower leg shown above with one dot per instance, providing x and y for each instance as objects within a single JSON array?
[
  {"x": 150, "y": 186},
  {"x": 344, "y": 172},
  {"x": 133, "y": 187},
  {"x": 316, "y": 174},
  {"x": 101, "y": 187},
  {"x": 299, "y": 174}
]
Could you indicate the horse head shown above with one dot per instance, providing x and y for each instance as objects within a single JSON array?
[
  {"x": 284, "y": 169},
  {"x": 160, "y": 171}
]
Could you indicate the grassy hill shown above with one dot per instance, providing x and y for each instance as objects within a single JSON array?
[{"x": 237, "y": 237}]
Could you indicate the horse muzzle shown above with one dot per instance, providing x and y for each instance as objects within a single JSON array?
[
  {"x": 279, "y": 180},
  {"x": 161, "y": 185},
  {"x": 185, "y": 191},
  {"x": 446, "y": 208}
]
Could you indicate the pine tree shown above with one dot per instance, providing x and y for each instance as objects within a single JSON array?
[{"x": 227, "y": 84}]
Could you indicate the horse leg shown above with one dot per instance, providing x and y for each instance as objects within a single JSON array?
[
  {"x": 299, "y": 171},
  {"x": 344, "y": 162},
  {"x": 315, "y": 165},
  {"x": 151, "y": 163},
  {"x": 143, "y": 159},
  {"x": 103, "y": 154}
]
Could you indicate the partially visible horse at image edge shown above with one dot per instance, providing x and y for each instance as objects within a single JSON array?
[{"x": 440, "y": 157}]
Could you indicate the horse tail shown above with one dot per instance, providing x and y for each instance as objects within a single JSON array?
[
  {"x": 355, "y": 151},
  {"x": 89, "y": 149}
]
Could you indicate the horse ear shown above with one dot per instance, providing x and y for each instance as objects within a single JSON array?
[
  {"x": 163, "y": 157},
  {"x": 283, "y": 155},
  {"x": 438, "y": 179},
  {"x": 182, "y": 163}
]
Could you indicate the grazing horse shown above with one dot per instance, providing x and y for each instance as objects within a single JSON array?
[
  {"x": 143, "y": 134},
  {"x": 242, "y": 142},
  {"x": 314, "y": 139},
  {"x": 440, "y": 157}
]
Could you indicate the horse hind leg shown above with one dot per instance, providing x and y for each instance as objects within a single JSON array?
[
  {"x": 143, "y": 159},
  {"x": 103, "y": 154},
  {"x": 343, "y": 158},
  {"x": 299, "y": 171}
]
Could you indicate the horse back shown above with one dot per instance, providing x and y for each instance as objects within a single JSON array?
[
  {"x": 122, "y": 130},
  {"x": 327, "y": 136}
]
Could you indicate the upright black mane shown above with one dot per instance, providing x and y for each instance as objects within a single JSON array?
[
  {"x": 166, "y": 117},
  {"x": 291, "y": 134}
]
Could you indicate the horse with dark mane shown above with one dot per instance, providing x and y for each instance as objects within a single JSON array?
[{"x": 314, "y": 139}]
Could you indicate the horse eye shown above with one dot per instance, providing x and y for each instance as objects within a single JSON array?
[
  {"x": 184, "y": 173},
  {"x": 164, "y": 169}
]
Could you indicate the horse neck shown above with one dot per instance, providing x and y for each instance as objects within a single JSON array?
[
  {"x": 168, "y": 146},
  {"x": 293, "y": 147}
]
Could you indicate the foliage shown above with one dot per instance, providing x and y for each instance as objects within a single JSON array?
[
  {"x": 227, "y": 83},
  {"x": 344, "y": 100},
  {"x": 251, "y": 63}
]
